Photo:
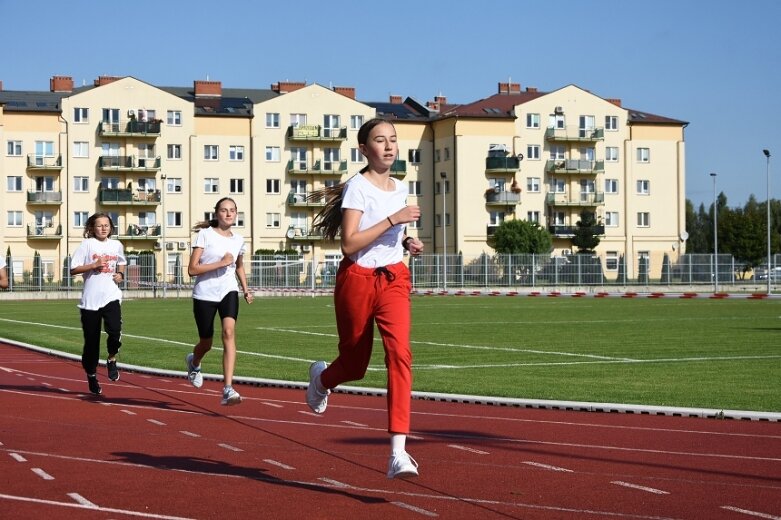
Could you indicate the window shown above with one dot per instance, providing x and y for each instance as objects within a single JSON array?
[
  {"x": 14, "y": 219},
  {"x": 298, "y": 156},
  {"x": 14, "y": 148},
  {"x": 557, "y": 152},
  {"x": 331, "y": 123},
  {"x": 297, "y": 120},
  {"x": 272, "y": 120},
  {"x": 109, "y": 183},
  {"x": 611, "y": 153},
  {"x": 272, "y": 154},
  {"x": 533, "y": 184},
  {"x": 643, "y": 187},
  {"x": 497, "y": 183},
  {"x": 211, "y": 185},
  {"x": 173, "y": 118},
  {"x": 643, "y": 219},
  {"x": 557, "y": 121},
  {"x": 587, "y": 154},
  {"x": 44, "y": 184},
  {"x": 496, "y": 218},
  {"x": 81, "y": 149},
  {"x": 611, "y": 123},
  {"x": 330, "y": 159},
  {"x": 439, "y": 187},
  {"x": 173, "y": 219},
  {"x": 80, "y": 219},
  {"x": 533, "y": 152},
  {"x": 237, "y": 185},
  {"x": 273, "y": 220},
  {"x": 559, "y": 218},
  {"x": 414, "y": 156},
  {"x": 175, "y": 152},
  {"x": 272, "y": 186},
  {"x": 14, "y": 183},
  {"x": 80, "y": 115},
  {"x": 147, "y": 184},
  {"x": 356, "y": 156},
  {"x": 611, "y": 219},
  {"x": 147, "y": 218},
  {"x": 643, "y": 155},
  {"x": 173, "y": 185},
  {"x": 447, "y": 153},
  {"x": 240, "y": 219},
  {"x": 236, "y": 153},
  {"x": 44, "y": 148},
  {"x": 611, "y": 260},
  {"x": 110, "y": 150},
  {"x": 81, "y": 184},
  {"x": 436, "y": 155},
  {"x": 533, "y": 216},
  {"x": 356, "y": 122},
  {"x": 558, "y": 186},
  {"x": 111, "y": 115},
  {"x": 532, "y": 120},
  {"x": 414, "y": 189},
  {"x": 611, "y": 185},
  {"x": 417, "y": 224},
  {"x": 146, "y": 155},
  {"x": 211, "y": 152}
]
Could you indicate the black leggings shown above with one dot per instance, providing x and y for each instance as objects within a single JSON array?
[
  {"x": 111, "y": 317},
  {"x": 204, "y": 312}
]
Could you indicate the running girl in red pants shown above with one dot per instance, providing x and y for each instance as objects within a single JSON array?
[{"x": 372, "y": 284}]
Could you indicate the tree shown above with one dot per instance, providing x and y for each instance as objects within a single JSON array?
[
  {"x": 587, "y": 233},
  {"x": 521, "y": 236}
]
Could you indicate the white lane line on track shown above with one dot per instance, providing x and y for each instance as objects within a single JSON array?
[
  {"x": 82, "y": 501},
  {"x": 334, "y": 483},
  {"x": 155, "y": 421},
  {"x": 547, "y": 466},
  {"x": 17, "y": 457},
  {"x": 272, "y": 405},
  {"x": 640, "y": 488},
  {"x": 414, "y": 509},
  {"x": 277, "y": 464},
  {"x": 351, "y": 423},
  {"x": 229, "y": 447},
  {"x": 189, "y": 434},
  {"x": 129, "y": 412},
  {"x": 751, "y": 513},
  {"x": 466, "y": 448},
  {"x": 41, "y": 473},
  {"x": 96, "y": 508}
]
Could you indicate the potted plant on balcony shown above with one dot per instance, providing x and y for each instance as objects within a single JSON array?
[{"x": 515, "y": 187}]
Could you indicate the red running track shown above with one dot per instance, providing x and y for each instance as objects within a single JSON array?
[{"x": 154, "y": 447}]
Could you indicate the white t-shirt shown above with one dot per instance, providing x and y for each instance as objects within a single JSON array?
[
  {"x": 99, "y": 288},
  {"x": 376, "y": 204},
  {"x": 214, "y": 285}
]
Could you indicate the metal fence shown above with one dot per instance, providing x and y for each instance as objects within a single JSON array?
[{"x": 428, "y": 272}]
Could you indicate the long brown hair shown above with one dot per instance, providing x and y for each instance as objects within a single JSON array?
[
  {"x": 203, "y": 224},
  {"x": 329, "y": 219},
  {"x": 89, "y": 227}
]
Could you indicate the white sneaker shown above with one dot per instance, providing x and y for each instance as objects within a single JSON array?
[
  {"x": 230, "y": 396},
  {"x": 316, "y": 399},
  {"x": 401, "y": 465},
  {"x": 193, "y": 373}
]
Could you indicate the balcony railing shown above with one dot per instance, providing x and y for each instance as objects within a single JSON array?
[
  {"x": 575, "y": 166},
  {"x": 140, "y": 232},
  {"x": 128, "y": 163},
  {"x": 125, "y": 197},
  {"x": 502, "y": 198},
  {"x": 581, "y": 199},
  {"x": 566, "y": 231},
  {"x": 490, "y": 229},
  {"x": 130, "y": 128},
  {"x": 36, "y": 162},
  {"x": 316, "y": 133},
  {"x": 502, "y": 164},
  {"x": 303, "y": 234},
  {"x": 574, "y": 134},
  {"x": 399, "y": 168},
  {"x": 40, "y": 231},
  {"x": 319, "y": 167},
  {"x": 301, "y": 200},
  {"x": 44, "y": 197}
]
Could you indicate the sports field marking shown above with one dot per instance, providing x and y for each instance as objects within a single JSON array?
[
  {"x": 81, "y": 500},
  {"x": 640, "y": 488},
  {"x": 32, "y": 500},
  {"x": 41, "y": 473},
  {"x": 547, "y": 466},
  {"x": 751, "y": 513}
]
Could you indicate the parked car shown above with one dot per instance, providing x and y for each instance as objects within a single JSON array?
[{"x": 760, "y": 274}]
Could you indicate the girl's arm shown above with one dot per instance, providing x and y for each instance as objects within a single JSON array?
[
  {"x": 195, "y": 268},
  {"x": 241, "y": 273},
  {"x": 354, "y": 240}
]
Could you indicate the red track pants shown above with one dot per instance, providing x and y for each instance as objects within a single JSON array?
[{"x": 362, "y": 297}]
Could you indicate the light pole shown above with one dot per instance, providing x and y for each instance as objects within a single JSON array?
[
  {"x": 715, "y": 237},
  {"x": 162, "y": 235},
  {"x": 767, "y": 204},
  {"x": 443, "y": 175}
]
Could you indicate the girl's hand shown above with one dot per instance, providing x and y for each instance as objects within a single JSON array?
[
  {"x": 248, "y": 296},
  {"x": 415, "y": 246},
  {"x": 406, "y": 215},
  {"x": 227, "y": 259}
]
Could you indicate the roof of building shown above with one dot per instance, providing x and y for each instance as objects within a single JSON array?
[{"x": 31, "y": 101}]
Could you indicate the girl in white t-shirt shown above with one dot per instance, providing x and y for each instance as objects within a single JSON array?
[
  {"x": 102, "y": 262},
  {"x": 217, "y": 260},
  {"x": 372, "y": 284}
]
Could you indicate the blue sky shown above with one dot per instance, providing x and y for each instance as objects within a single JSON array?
[{"x": 715, "y": 64}]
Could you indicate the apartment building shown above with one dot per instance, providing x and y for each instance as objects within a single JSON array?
[{"x": 158, "y": 159}]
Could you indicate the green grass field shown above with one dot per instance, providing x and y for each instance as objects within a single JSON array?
[{"x": 722, "y": 354}]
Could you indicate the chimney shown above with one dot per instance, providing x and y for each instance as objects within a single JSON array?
[
  {"x": 105, "y": 80},
  {"x": 61, "y": 84},
  {"x": 396, "y": 100},
  {"x": 1, "y": 85},
  {"x": 433, "y": 105},
  {"x": 616, "y": 102},
  {"x": 283, "y": 87},
  {"x": 531, "y": 89},
  {"x": 440, "y": 100},
  {"x": 509, "y": 88},
  {"x": 346, "y": 91},
  {"x": 207, "y": 88}
]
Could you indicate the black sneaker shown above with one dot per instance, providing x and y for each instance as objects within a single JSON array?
[
  {"x": 113, "y": 372},
  {"x": 94, "y": 386}
]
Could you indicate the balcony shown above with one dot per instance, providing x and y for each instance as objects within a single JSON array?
[
  {"x": 502, "y": 164},
  {"x": 494, "y": 197},
  {"x": 575, "y": 134},
  {"x": 125, "y": 197},
  {"x": 490, "y": 229},
  {"x": 316, "y": 133},
  {"x": 318, "y": 168},
  {"x": 38, "y": 163},
  {"x": 301, "y": 234},
  {"x": 44, "y": 232},
  {"x": 399, "y": 168},
  {"x": 128, "y": 163},
  {"x": 301, "y": 200},
  {"x": 585, "y": 199},
  {"x": 568, "y": 231},
  {"x": 574, "y": 167},
  {"x": 44, "y": 198},
  {"x": 130, "y": 128},
  {"x": 139, "y": 232}
]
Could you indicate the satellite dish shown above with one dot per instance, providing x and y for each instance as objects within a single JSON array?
[
  {"x": 290, "y": 232},
  {"x": 684, "y": 236}
]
